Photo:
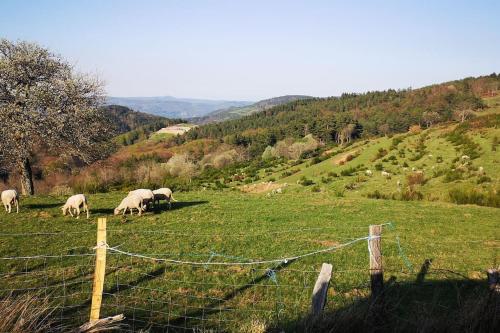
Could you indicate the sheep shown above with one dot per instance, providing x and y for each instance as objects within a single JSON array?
[
  {"x": 147, "y": 196},
  {"x": 9, "y": 198},
  {"x": 75, "y": 202},
  {"x": 480, "y": 171},
  {"x": 130, "y": 202},
  {"x": 465, "y": 158},
  {"x": 386, "y": 174},
  {"x": 369, "y": 173},
  {"x": 164, "y": 194},
  {"x": 398, "y": 183}
]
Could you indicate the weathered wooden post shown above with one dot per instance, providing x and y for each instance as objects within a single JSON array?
[
  {"x": 100, "y": 270},
  {"x": 376, "y": 269},
  {"x": 320, "y": 289}
]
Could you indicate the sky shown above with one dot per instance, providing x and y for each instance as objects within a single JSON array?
[{"x": 250, "y": 50}]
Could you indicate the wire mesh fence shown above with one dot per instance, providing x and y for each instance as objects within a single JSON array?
[{"x": 185, "y": 290}]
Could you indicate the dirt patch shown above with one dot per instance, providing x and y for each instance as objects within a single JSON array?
[{"x": 260, "y": 187}]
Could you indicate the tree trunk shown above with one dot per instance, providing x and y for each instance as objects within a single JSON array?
[{"x": 27, "y": 187}]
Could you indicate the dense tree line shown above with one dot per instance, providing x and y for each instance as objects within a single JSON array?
[{"x": 340, "y": 119}]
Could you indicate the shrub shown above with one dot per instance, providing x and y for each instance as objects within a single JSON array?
[
  {"x": 416, "y": 178},
  {"x": 272, "y": 179},
  {"x": 348, "y": 171},
  {"x": 405, "y": 165},
  {"x": 439, "y": 159},
  {"x": 326, "y": 180},
  {"x": 452, "y": 175},
  {"x": 304, "y": 181},
  {"x": 379, "y": 167},
  {"x": 332, "y": 174},
  {"x": 377, "y": 195},
  {"x": 351, "y": 186},
  {"x": 380, "y": 153},
  {"x": 484, "y": 179},
  {"x": 339, "y": 193},
  {"x": 410, "y": 194},
  {"x": 315, "y": 188}
]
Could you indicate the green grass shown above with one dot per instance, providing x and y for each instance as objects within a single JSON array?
[{"x": 238, "y": 227}]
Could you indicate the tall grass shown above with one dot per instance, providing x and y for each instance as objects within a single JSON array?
[{"x": 472, "y": 196}]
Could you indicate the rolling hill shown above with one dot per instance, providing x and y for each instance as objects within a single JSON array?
[
  {"x": 238, "y": 112},
  {"x": 172, "y": 107}
]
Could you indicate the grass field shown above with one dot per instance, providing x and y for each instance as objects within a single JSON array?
[{"x": 230, "y": 226}]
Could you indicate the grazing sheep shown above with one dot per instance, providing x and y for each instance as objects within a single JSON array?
[
  {"x": 164, "y": 193},
  {"x": 147, "y": 196},
  {"x": 130, "y": 202},
  {"x": 398, "y": 183},
  {"x": 386, "y": 174},
  {"x": 480, "y": 171},
  {"x": 9, "y": 198},
  {"x": 75, "y": 202},
  {"x": 413, "y": 169},
  {"x": 369, "y": 173},
  {"x": 465, "y": 158}
]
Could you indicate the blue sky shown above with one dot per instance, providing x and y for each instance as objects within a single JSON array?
[{"x": 250, "y": 50}]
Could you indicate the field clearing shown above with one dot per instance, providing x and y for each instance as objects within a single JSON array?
[{"x": 230, "y": 226}]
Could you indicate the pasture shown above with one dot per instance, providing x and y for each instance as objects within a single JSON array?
[{"x": 45, "y": 253}]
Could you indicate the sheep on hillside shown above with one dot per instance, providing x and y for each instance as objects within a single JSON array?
[
  {"x": 164, "y": 193},
  {"x": 131, "y": 202},
  {"x": 386, "y": 174},
  {"x": 147, "y": 196},
  {"x": 75, "y": 202},
  {"x": 369, "y": 173},
  {"x": 9, "y": 198}
]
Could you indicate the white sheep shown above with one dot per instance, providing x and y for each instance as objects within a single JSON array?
[
  {"x": 75, "y": 202},
  {"x": 130, "y": 202},
  {"x": 386, "y": 174},
  {"x": 9, "y": 198},
  {"x": 147, "y": 196},
  {"x": 465, "y": 158},
  {"x": 398, "y": 183},
  {"x": 164, "y": 193},
  {"x": 480, "y": 171},
  {"x": 369, "y": 173}
]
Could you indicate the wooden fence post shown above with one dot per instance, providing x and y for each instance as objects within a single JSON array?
[
  {"x": 376, "y": 269},
  {"x": 100, "y": 270},
  {"x": 320, "y": 289}
]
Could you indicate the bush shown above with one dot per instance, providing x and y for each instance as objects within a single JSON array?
[
  {"x": 348, "y": 171},
  {"x": 377, "y": 195},
  {"x": 304, "y": 181},
  {"x": 379, "y": 167},
  {"x": 315, "y": 188},
  {"x": 452, "y": 175},
  {"x": 484, "y": 179},
  {"x": 416, "y": 178},
  {"x": 380, "y": 153},
  {"x": 439, "y": 159},
  {"x": 332, "y": 174},
  {"x": 326, "y": 180},
  {"x": 411, "y": 194},
  {"x": 475, "y": 197}
]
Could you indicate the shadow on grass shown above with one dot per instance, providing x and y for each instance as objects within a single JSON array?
[
  {"x": 43, "y": 205},
  {"x": 163, "y": 207},
  {"x": 426, "y": 305},
  {"x": 158, "y": 209}
]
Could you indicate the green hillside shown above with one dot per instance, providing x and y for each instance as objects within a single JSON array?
[{"x": 236, "y": 112}]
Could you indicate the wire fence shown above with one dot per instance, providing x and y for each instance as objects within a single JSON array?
[{"x": 193, "y": 290}]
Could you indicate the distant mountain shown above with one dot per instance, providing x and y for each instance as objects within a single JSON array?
[
  {"x": 238, "y": 112},
  {"x": 172, "y": 107}
]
